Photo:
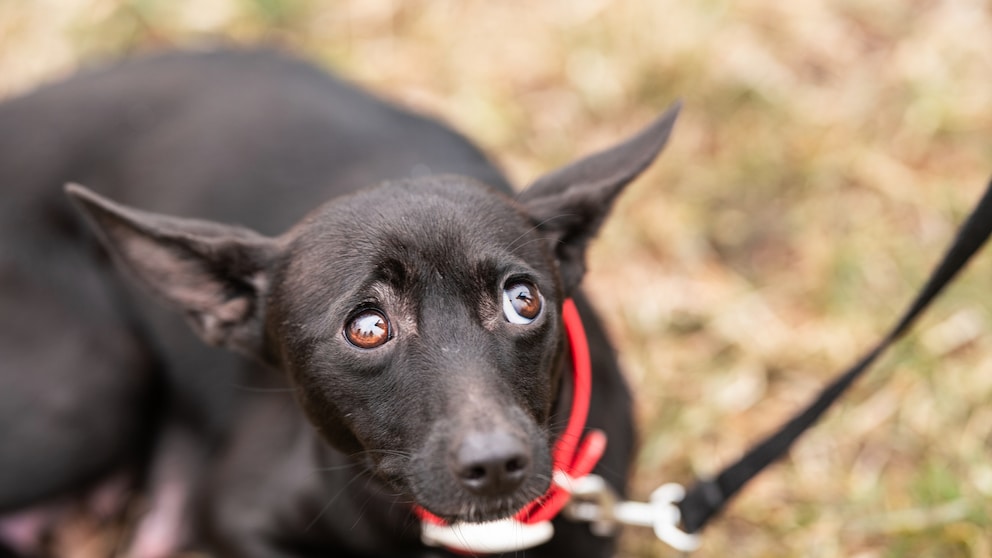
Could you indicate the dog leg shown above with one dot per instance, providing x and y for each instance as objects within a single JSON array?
[
  {"x": 165, "y": 528},
  {"x": 21, "y": 534}
]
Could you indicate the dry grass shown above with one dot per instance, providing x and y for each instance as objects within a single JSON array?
[{"x": 826, "y": 152}]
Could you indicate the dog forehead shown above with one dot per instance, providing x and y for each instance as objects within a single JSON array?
[
  {"x": 438, "y": 201},
  {"x": 436, "y": 216},
  {"x": 452, "y": 226}
]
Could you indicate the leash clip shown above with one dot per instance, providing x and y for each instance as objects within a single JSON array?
[{"x": 595, "y": 502}]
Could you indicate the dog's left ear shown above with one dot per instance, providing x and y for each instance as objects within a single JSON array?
[
  {"x": 570, "y": 203},
  {"x": 215, "y": 274}
]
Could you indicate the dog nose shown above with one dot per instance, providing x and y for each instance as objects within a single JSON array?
[{"x": 491, "y": 464}]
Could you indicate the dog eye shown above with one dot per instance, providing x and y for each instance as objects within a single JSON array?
[
  {"x": 522, "y": 302},
  {"x": 367, "y": 330}
]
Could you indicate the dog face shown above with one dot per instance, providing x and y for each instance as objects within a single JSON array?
[
  {"x": 418, "y": 320},
  {"x": 424, "y": 335}
]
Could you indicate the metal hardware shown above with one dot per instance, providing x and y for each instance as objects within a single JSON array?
[{"x": 595, "y": 502}]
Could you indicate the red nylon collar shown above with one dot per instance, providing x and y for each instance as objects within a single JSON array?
[{"x": 574, "y": 456}]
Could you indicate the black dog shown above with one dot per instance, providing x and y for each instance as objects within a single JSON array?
[{"x": 416, "y": 317}]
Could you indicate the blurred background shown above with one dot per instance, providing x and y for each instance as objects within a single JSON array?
[{"x": 825, "y": 155}]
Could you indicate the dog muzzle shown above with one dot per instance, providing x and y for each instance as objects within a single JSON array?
[{"x": 573, "y": 460}]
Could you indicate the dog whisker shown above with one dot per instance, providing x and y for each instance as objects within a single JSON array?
[
  {"x": 255, "y": 389},
  {"x": 360, "y": 514},
  {"x": 330, "y": 502},
  {"x": 343, "y": 466},
  {"x": 513, "y": 245},
  {"x": 396, "y": 453},
  {"x": 517, "y": 246}
]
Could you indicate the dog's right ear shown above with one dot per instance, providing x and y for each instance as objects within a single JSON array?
[
  {"x": 569, "y": 204},
  {"x": 217, "y": 275}
]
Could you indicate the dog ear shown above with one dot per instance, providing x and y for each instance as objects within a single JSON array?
[
  {"x": 570, "y": 203},
  {"x": 215, "y": 274}
]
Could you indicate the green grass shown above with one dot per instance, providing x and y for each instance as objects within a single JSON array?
[{"x": 825, "y": 154}]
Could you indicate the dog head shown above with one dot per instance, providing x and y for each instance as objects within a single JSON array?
[{"x": 419, "y": 320}]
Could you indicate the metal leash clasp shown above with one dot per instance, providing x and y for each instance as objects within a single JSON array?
[{"x": 595, "y": 502}]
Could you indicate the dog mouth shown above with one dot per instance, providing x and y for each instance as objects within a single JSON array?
[
  {"x": 453, "y": 504},
  {"x": 476, "y": 513},
  {"x": 475, "y": 509}
]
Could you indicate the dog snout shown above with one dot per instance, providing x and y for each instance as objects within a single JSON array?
[{"x": 491, "y": 463}]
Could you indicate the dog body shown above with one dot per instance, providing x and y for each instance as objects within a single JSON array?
[{"x": 415, "y": 317}]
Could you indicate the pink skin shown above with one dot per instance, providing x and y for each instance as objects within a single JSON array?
[
  {"x": 163, "y": 530},
  {"x": 22, "y": 531},
  {"x": 25, "y": 531},
  {"x": 160, "y": 532}
]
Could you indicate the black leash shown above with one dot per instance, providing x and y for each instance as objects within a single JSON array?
[{"x": 708, "y": 497}]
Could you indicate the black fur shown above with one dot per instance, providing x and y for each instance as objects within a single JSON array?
[{"x": 420, "y": 227}]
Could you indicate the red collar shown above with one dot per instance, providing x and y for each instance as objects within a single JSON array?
[
  {"x": 574, "y": 456},
  {"x": 571, "y": 457}
]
